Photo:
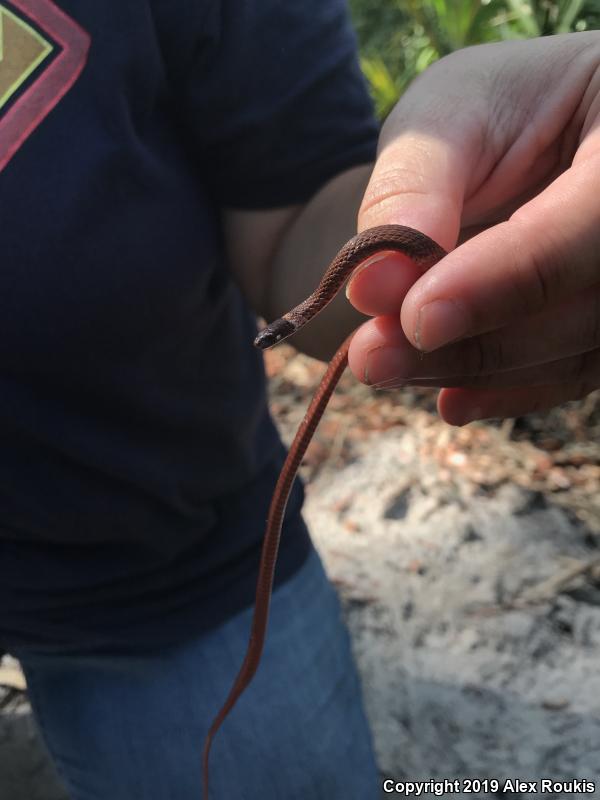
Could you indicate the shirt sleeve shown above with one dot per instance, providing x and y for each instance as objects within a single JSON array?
[{"x": 275, "y": 100}]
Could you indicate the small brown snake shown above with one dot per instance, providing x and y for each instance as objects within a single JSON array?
[{"x": 425, "y": 253}]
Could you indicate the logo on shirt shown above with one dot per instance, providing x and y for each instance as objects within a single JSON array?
[{"x": 42, "y": 53}]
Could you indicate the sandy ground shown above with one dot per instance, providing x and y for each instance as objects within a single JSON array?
[
  {"x": 474, "y": 619},
  {"x": 25, "y": 770},
  {"x": 469, "y": 569}
]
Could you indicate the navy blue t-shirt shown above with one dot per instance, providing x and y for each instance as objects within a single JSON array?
[{"x": 137, "y": 456}]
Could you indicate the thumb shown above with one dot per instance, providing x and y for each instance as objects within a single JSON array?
[
  {"x": 420, "y": 179},
  {"x": 427, "y": 157}
]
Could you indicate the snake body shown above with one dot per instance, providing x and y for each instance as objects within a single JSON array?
[{"x": 425, "y": 253}]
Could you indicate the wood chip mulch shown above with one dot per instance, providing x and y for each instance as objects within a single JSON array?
[{"x": 552, "y": 453}]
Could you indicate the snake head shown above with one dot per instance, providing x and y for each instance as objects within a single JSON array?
[{"x": 275, "y": 332}]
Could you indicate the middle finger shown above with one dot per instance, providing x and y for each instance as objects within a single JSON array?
[{"x": 380, "y": 352}]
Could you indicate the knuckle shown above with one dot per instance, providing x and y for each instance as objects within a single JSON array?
[
  {"x": 539, "y": 294},
  {"x": 592, "y": 334},
  {"x": 538, "y": 270},
  {"x": 529, "y": 283},
  {"x": 582, "y": 389},
  {"x": 578, "y": 368},
  {"x": 487, "y": 355},
  {"x": 481, "y": 381},
  {"x": 538, "y": 404},
  {"x": 584, "y": 366},
  {"x": 388, "y": 188}
]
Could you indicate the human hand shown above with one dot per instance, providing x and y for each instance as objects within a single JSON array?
[{"x": 496, "y": 147}]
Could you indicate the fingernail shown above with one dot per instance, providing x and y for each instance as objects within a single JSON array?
[
  {"x": 440, "y": 322},
  {"x": 384, "y": 364},
  {"x": 373, "y": 260}
]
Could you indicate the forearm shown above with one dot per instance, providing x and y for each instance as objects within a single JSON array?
[{"x": 310, "y": 243}]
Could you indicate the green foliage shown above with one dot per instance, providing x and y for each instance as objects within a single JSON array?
[
  {"x": 400, "y": 38},
  {"x": 544, "y": 17}
]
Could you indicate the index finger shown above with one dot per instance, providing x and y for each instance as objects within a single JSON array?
[{"x": 548, "y": 249}]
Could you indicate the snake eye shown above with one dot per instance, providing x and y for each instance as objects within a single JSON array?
[{"x": 278, "y": 329}]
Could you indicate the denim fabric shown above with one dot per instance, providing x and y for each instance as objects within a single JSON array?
[{"x": 132, "y": 728}]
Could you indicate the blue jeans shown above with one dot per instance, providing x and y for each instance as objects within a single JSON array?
[{"x": 132, "y": 727}]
